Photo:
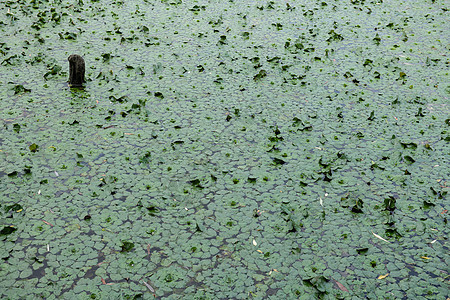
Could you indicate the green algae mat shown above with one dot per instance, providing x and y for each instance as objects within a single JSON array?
[{"x": 225, "y": 150}]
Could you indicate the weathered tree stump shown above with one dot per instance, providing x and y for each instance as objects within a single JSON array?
[{"x": 76, "y": 70}]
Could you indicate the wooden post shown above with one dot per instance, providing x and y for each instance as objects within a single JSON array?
[{"x": 76, "y": 70}]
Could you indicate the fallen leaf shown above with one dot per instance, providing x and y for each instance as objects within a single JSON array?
[
  {"x": 103, "y": 280},
  {"x": 383, "y": 276},
  {"x": 425, "y": 257},
  {"x": 341, "y": 286},
  {"x": 377, "y": 236},
  {"x": 47, "y": 223},
  {"x": 254, "y": 242},
  {"x": 259, "y": 251},
  {"x": 148, "y": 286}
]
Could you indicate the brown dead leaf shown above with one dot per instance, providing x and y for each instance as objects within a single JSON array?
[
  {"x": 104, "y": 282},
  {"x": 341, "y": 286},
  {"x": 47, "y": 223}
]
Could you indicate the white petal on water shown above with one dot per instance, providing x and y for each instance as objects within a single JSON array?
[{"x": 377, "y": 236}]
